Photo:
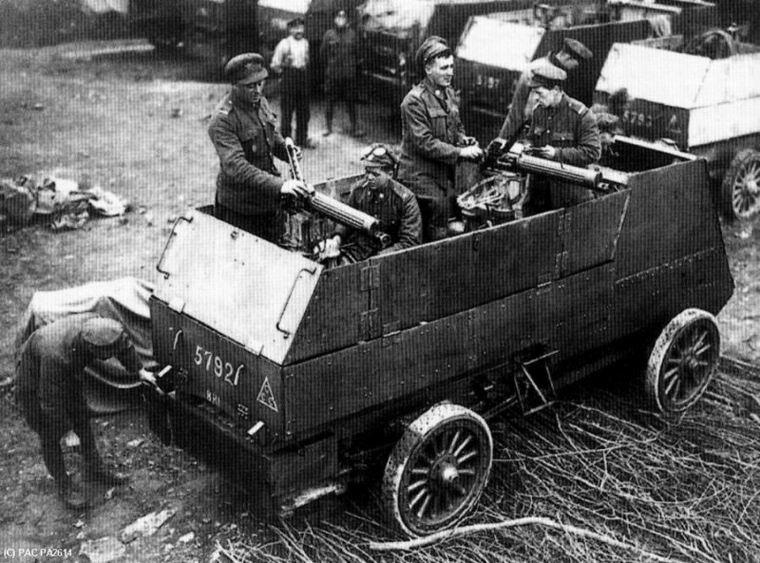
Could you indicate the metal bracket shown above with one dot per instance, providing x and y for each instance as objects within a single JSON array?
[
  {"x": 369, "y": 277},
  {"x": 169, "y": 242},
  {"x": 534, "y": 375},
  {"x": 368, "y": 324},
  {"x": 285, "y": 331}
]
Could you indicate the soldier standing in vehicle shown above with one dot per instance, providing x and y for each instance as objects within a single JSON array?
[
  {"x": 50, "y": 393},
  {"x": 433, "y": 138},
  {"x": 243, "y": 131},
  {"x": 380, "y": 196},
  {"x": 569, "y": 58},
  {"x": 339, "y": 54},
  {"x": 561, "y": 129},
  {"x": 291, "y": 60}
]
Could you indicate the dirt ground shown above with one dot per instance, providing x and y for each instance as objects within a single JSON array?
[{"x": 135, "y": 123}]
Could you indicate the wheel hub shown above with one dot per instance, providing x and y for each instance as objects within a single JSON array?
[
  {"x": 751, "y": 188},
  {"x": 448, "y": 474}
]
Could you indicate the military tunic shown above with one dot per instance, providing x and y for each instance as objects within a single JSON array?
[
  {"x": 394, "y": 206},
  {"x": 49, "y": 388},
  {"x": 432, "y": 133},
  {"x": 570, "y": 128},
  {"x": 248, "y": 185}
]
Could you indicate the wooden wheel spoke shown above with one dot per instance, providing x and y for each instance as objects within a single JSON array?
[
  {"x": 416, "y": 485},
  {"x": 418, "y": 497},
  {"x": 703, "y": 349},
  {"x": 466, "y": 457},
  {"x": 423, "y": 508},
  {"x": 669, "y": 386},
  {"x": 463, "y": 445},
  {"x": 454, "y": 441},
  {"x": 420, "y": 471},
  {"x": 467, "y": 471},
  {"x": 670, "y": 374},
  {"x": 701, "y": 336}
]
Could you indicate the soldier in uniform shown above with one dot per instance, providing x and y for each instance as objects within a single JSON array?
[
  {"x": 339, "y": 53},
  {"x": 572, "y": 54},
  {"x": 561, "y": 129},
  {"x": 433, "y": 138},
  {"x": 249, "y": 188},
  {"x": 50, "y": 394},
  {"x": 376, "y": 194}
]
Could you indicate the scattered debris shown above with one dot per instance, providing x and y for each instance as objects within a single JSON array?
[
  {"x": 64, "y": 203},
  {"x": 187, "y": 538},
  {"x": 146, "y": 526},
  {"x": 176, "y": 112},
  {"x": 137, "y": 442},
  {"x": 102, "y": 550}
]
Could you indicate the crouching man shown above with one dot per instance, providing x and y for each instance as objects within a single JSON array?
[
  {"x": 50, "y": 393},
  {"x": 376, "y": 194}
]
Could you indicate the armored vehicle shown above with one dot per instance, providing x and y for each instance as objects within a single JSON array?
[
  {"x": 216, "y": 30},
  {"x": 392, "y": 30},
  {"x": 714, "y": 112},
  {"x": 160, "y": 21},
  {"x": 298, "y": 378},
  {"x": 495, "y": 49}
]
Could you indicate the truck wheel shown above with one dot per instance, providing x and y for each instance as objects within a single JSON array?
[
  {"x": 683, "y": 361},
  {"x": 741, "y": 185},
  {"x": 438, "y": 469}
]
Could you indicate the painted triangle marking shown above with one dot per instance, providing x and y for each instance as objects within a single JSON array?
[{"x": 266, "y": 397}]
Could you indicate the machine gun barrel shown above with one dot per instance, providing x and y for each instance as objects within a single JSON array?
[
  {"x": 342, "y": 213},
  {"x": 559, "y": 171},
  {"x": 332, "y": 208},
  {"x": 518, "y": 159}
]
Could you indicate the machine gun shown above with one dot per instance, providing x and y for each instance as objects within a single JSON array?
[{"x": 332, "y": 208}]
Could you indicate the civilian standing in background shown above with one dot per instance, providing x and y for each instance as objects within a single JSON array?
[
  {"x": 291, "y": 61},
  {"x": 339, "y": 54}
]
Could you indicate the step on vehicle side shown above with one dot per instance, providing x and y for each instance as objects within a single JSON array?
[
  {"x": 714, "y": 112},
  {"x": 297, "y": 378},
  {"x": 495, "y": 49}
]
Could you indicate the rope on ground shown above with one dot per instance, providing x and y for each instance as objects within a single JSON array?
[{"x": 527, "y": 521}]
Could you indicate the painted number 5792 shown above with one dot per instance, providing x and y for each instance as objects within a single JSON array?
[{"x": 214, "y": 365}]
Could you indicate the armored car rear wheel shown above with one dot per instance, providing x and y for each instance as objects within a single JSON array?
[
  {"x": 741, "y": 185},
  {"x": 683, "y": 361},
  {"x": 438, "y": 470}
]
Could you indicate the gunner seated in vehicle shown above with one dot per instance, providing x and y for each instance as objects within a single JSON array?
[{"x": 379, "y": 195}]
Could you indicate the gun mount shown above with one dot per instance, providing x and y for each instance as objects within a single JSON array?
[{"x": 332, "y": 208}]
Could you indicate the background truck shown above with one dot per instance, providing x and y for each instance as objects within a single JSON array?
[
  {"x": 707, "y": 104},
  {"x": 495, "y": 49}
]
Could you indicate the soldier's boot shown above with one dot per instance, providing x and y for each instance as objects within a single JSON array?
[
  {"x": 97, "y": 472},
  {"x": 328, "y": 128},
  {"x": 70, "y": 496}
]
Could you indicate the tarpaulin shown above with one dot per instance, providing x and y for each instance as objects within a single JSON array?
[{"x": 109, "y": 388}]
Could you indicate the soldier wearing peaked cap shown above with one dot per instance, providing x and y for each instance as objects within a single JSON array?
[
  {"x": 433, "y": 137},
  {"x": 243, "y": 131},
  {"x": 561, "y": 129},
  {"x": 568, "y": 58},
  {"x": 49, "y": 391},
  {"x": 380, "y": 196}
]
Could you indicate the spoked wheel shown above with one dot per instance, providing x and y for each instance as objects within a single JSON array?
[
  {"x": 683, "y": 361},
  {"x": 438, "y": 470},
  {"x": 741, "y": 185}
]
